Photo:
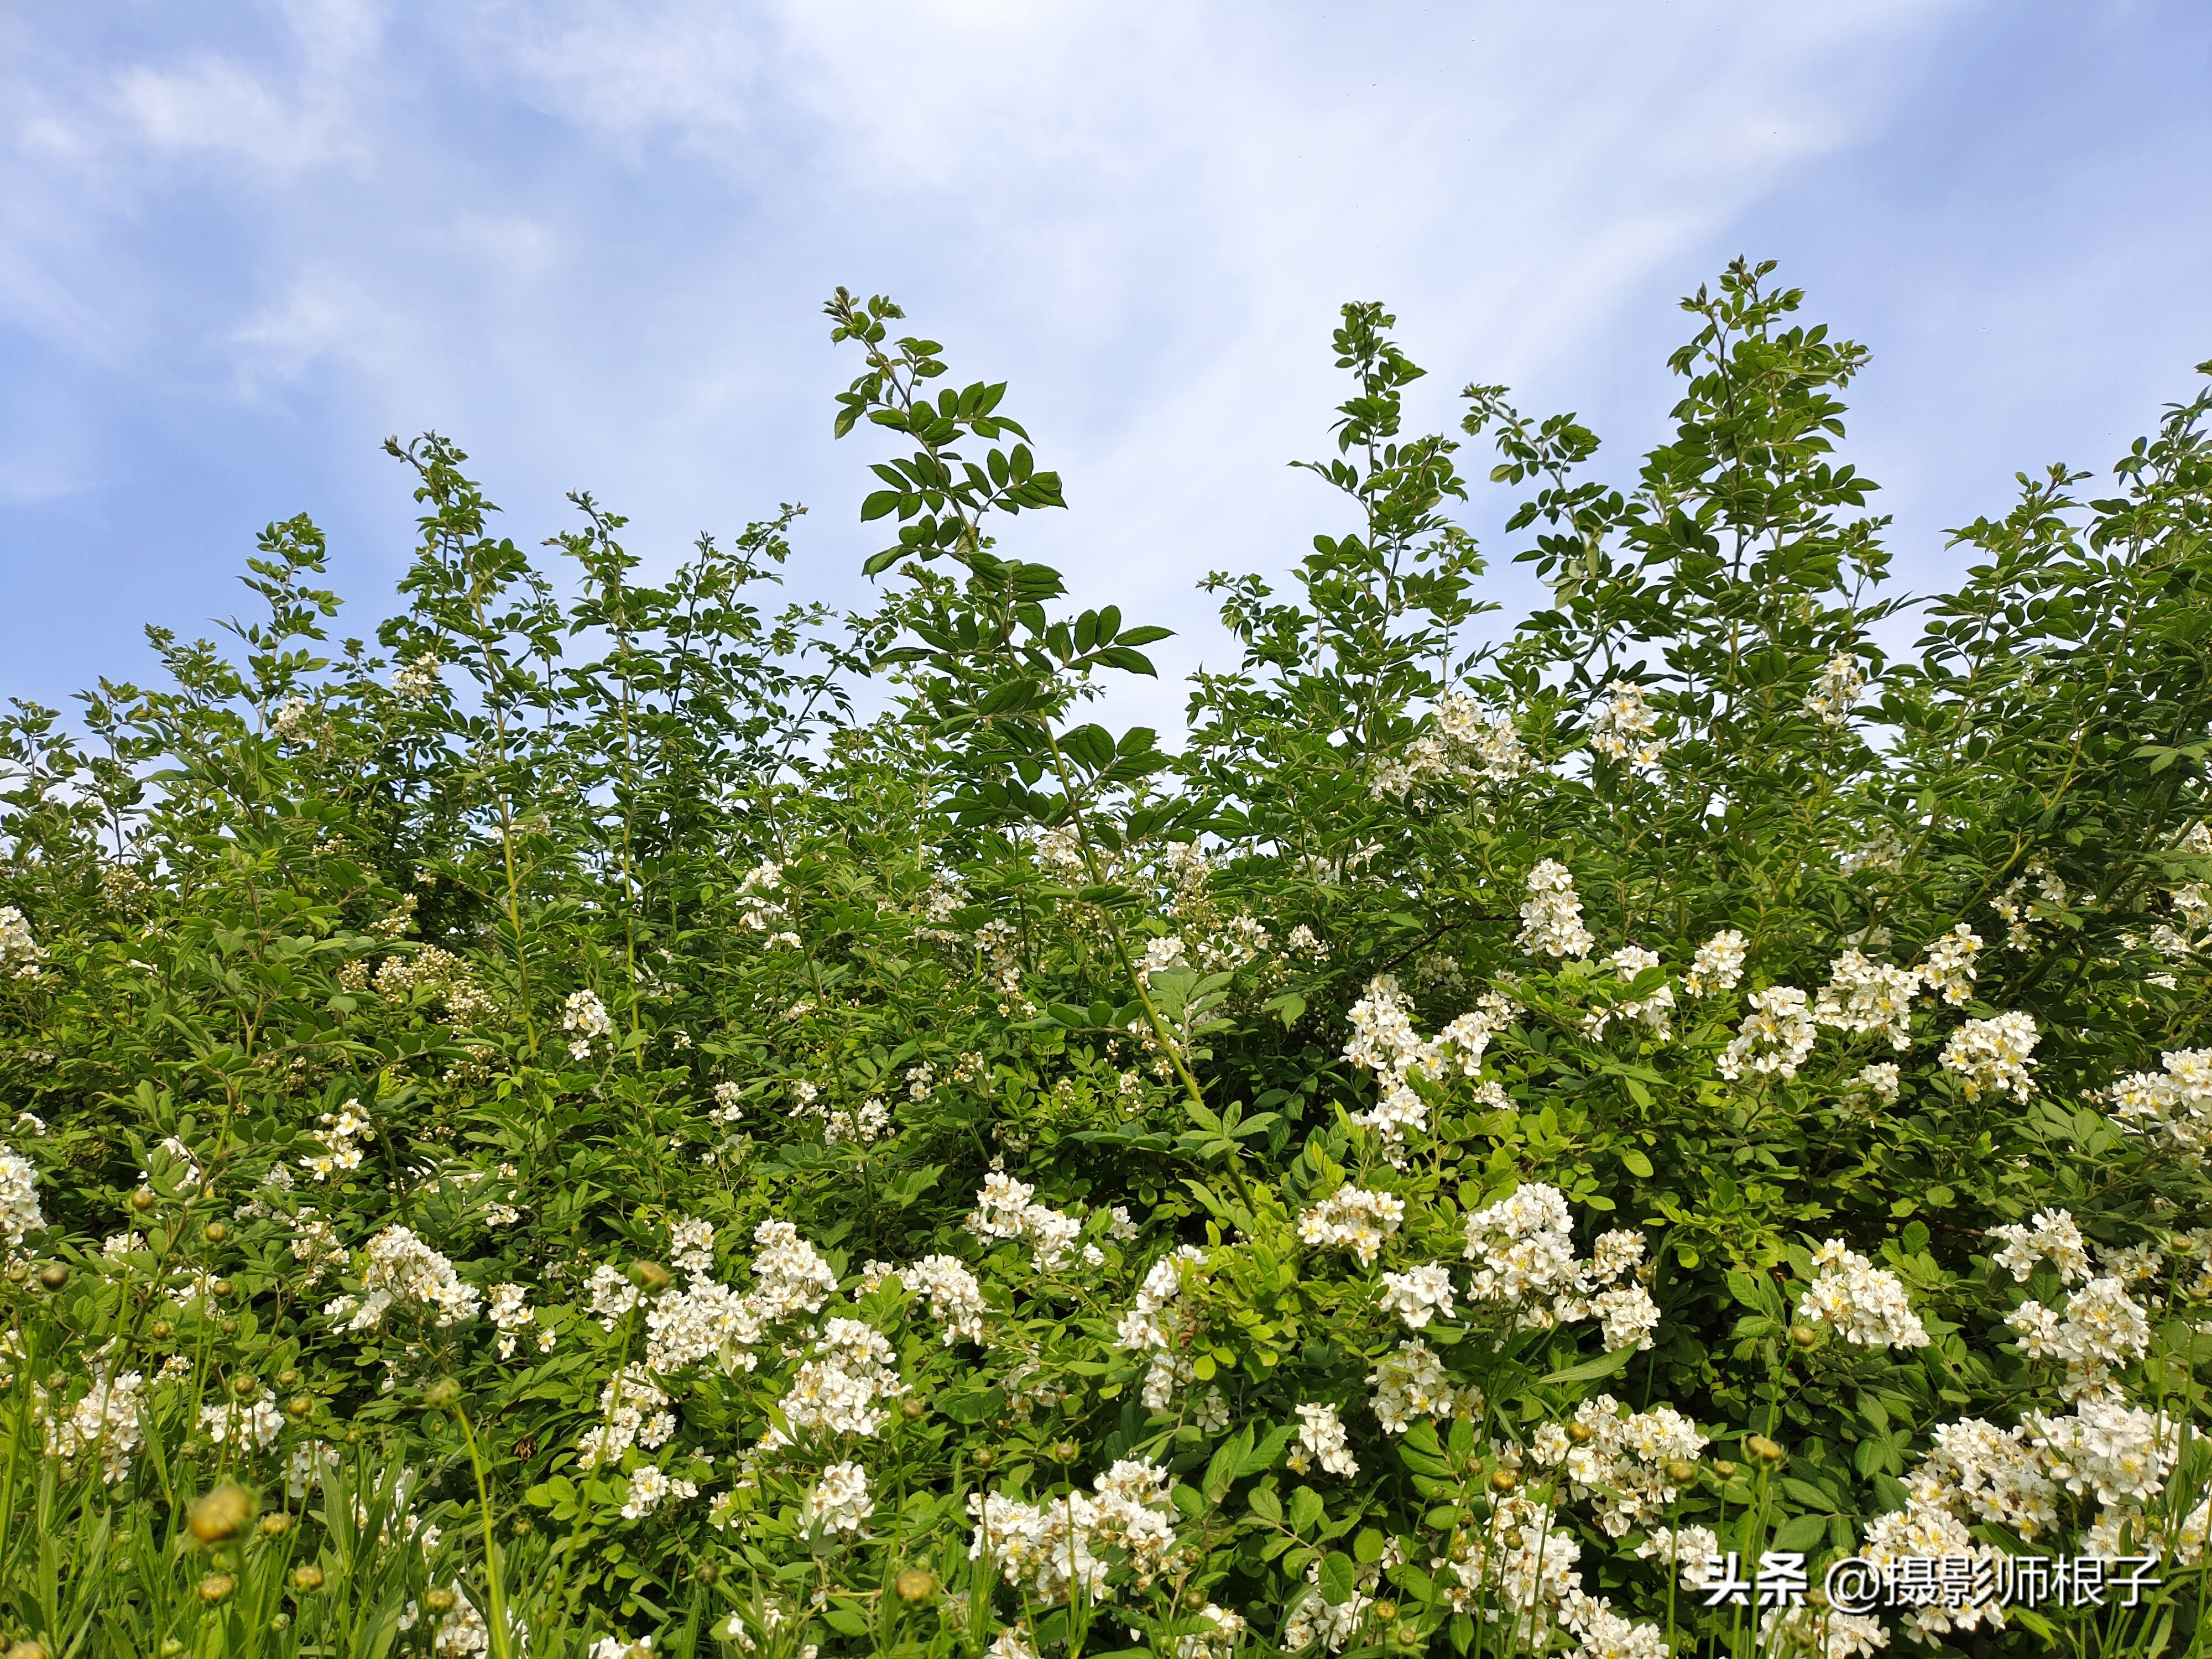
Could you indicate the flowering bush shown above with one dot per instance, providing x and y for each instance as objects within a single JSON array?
[{"x": 625, "y": 1123}]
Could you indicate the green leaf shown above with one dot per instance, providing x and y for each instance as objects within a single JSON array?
[{"x": 1338, "y": 1578}]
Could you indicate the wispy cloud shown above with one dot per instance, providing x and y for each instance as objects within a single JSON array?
[{"x": 589, "y": 239}]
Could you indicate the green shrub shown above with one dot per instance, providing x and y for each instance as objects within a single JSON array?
[{"x": 620, "y": 1113}]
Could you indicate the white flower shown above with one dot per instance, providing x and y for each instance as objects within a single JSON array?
[
  {"x": 1865, "y": 1304},
  {"x": 1072, "y": 1539},
  {"x": 255, "y": 1426},
  {"x": 1162, "y": 954},
  {"x": 839, "y": 1501},
  {"x": 1656, "y": 1011},
  {"x": 1991, "y": 1055},
  {"x": 646, "y": 1487},
  {"x": 584, "y": 1014},
  {"x": 417, "y": 680},
  {"x": 1552, "y": 918},
  {"x": 1775, "y": 1037},
  {"x": 2102, "y": 1327},
  {"x": 400, "y": 1269},
  {"x": 2119, "y": 1452},
  {"x": 1717, "y": 966},
  {"x": 1880, "y": 1079},
  {"x": 1623, "y": 727},
  {"x": 1950, "y": 968},
  {"x": 109, "y": 1418},
  {"x": 1412, "y": 1384},
  {"x": 1321, "y": 1440},
  {"x": 952, "y": 1293},
  {"x": 2175, "y": 1105},
  {"x": 1419, "y": 1296},
  {"x": 1351, "y": 1218},
  {"x": 2050, "y": 1236},
  {"x": 1864, "y": 995},
  {"x": 1836, "y": 690},
  {"x": 20, "y": 1214}
]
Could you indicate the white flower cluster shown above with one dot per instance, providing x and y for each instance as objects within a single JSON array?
[
  {"x": 511, "y": 1314},
  {"x": 1513, "y": 1566},
  {"x": 1524, "y": 1251},
  {"x": 1121, "y": 1534},
  {"x": 1869, "y": 996},
  {"x": 2018, "y": 913},
  {"x": 110, "y": 1419},
  {"x": 249, "y": 1427},
  {"x": 20, "y": 1215},
  {"x": 1304, "y": 942},
  {"x": 1881, "y": 1080},
  {"x": 727, "y": 1107},
  {"x": 952, "y": 1293},
  {"x": 1419, "y": 1295},
  {"x": 1471, "y": 743},
  {"x": 1991, "y": 1055},
  {"x": 2049, "y": 1235},
  {"x": 586, "y": 1017},
  {"x": 339, "y": 1132},
  {"x": 1355, "y": 1219},
  {"x": 1624, "y": 727},
  {"x": 2173, "y": 1106},
  {"x": 839, "y": 1501},
  {"x": 418, "y": 680},
  {"x": 1384, "y": 1041},
  {"x": 760, "y": 908},
  {"x": 636, "y": 1414},
  {"x": 400, "y": 1269},
  {"x": 2103, "y": 1329},
  {"x": 1656, "y": 1010},
  {"x": 1412, "y": 1384},
  {"x": 1162, "y": 954},
  {"x": 649, "y": 1488},
  {"x": 1775, "y": 1037},
  {"x": 1949, "y": 970},
  {"x": 1321, "y": 1440},
  {"x": 1717, "y": 966},
  {"x": 2121, "y": 1452},
  {"x": 1836, "y": 690},
  {"x": 1004, "y": 1210},
  {"x": 1621, "y": 1458},
  {"x": 1552, "y": 916},
  {"x": 837, "y": 1387},
  {"x": 291, "y": 714},
  {"x": 1154, "y": 1325},
  {"x": 1864, "y": 1304},
  {"x": 1982, "y": 1473},
  {"x": 20, "y": 953}
]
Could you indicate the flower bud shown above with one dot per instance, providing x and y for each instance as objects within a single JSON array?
[
  {"x": 306, "y": 1577},
  {"x": 1724, "y": 1467},
  {"x": 215, "y": 1232},
  {"x": 914, "y": 1408},
  {"x": 442, "y": 1393},
  {"x": 162, "y": 1330},
  {"x": 1765, "y": 1451},
  {"x": 1581, "y": 1433},
  {"x": 1064, "y": 1451},
  {"x": 984, "y": 1458},
  {"x": 216, "y": 1587},
  {"x": 221, "y": 1287},
  {"x": 229, "y": 1327},
  {"x": 440, "y": 1601},
  {"x": 650, "y": 1277},
  {"x": 28, "y": 1648},
  {"x": 245, "y": 1387},
  {"x": 1680, "y": 1469},
  {"x": 171, "y": 1647},
  {"x": 288, "y": 1377},
  {"x": 708, "y": 1573},
  {"x": 276, "y": 1524},
  {"x": 1386, "y": 1611},
  {"x": 915, "y": 1584},
  {"x": 53, "y": 1275},
  {"x": 300, "y": 1407},
  {"x": 220, "y": 1514},
  {"x": 1804, "y": 1336},
  {"x": 143, "y": 1200},
  {"x": 1504, "y": 1480}
]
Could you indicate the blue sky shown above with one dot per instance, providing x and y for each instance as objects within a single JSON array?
[{"x": 240, "y": 244}]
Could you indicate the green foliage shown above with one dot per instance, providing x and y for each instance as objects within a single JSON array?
[{"x": 607, "y": 1137}]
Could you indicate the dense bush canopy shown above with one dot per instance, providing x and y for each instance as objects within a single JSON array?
[{"x": 616, "y": 1112}]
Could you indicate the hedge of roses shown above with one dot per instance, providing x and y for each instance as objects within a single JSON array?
[{"x": 618, "y": 1118}]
